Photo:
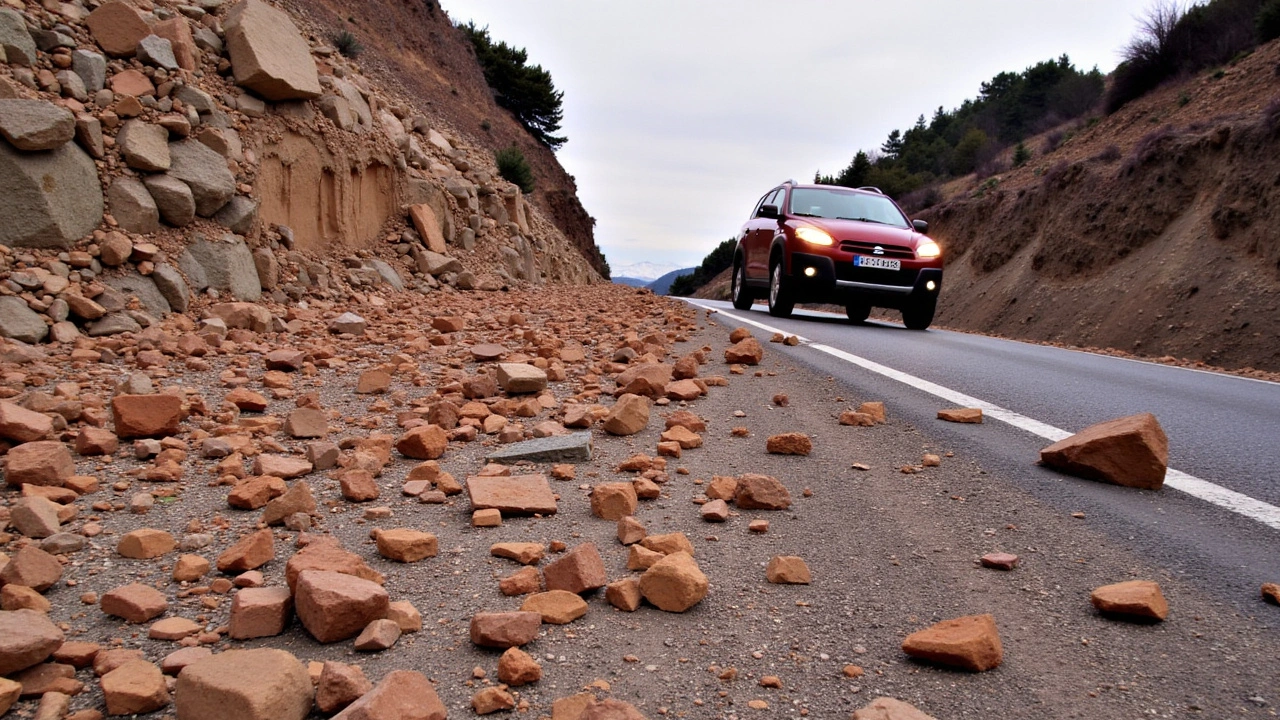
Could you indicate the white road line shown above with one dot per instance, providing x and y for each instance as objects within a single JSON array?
[{"x": 1225, "y": 498}]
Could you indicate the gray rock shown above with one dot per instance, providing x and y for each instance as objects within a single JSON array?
[
  {"x": 19, "y": 322},
  {"x": 467, "y": 239},
  {"x": 268, "y": 268},
  {"x": 157, "y": 51},
  {"x": 63, "y": 543},
  {"x": 207, "y": 39},
  {"x": 72, "y": 85},
  {"x": 466, "y": 280},
  {"x": 34, "y": 125},
  {"x": 228, "y": 265},
  {"x": 50, "y": 40},
  {"x": 194, "y": 271},
  {"x": 131, "y": 205},
  {"x": 575, "y": 447},
  {"x": 91, "y": 67},
  {"x": 144, "y": 146},
  {"x": 347, "y": 322},
  {"x": 437, "y": 264},
  {"x": 89, "y": 135},
  {"x": 239, "y": 215},
  {"x": 388, "y": 274},
  {"x": 113, "y": 324},
  {"x": 171, "y": 285},
  {"x": 205, "y": 172},
  {"x": 19, "y": 48},
  {"x": 58, "y": 310},
  {"x": 173, "y": 199},
  {"x": 51, "y": 199},
  {"x": 251, "y": 106},
  {"x": 339, "y": 112},
  {"x": 196, "y": 98},
  {"x": 64, "y": 332},
  {"x": 357, "y": 103},
  {"x": 143, "y": 288}
]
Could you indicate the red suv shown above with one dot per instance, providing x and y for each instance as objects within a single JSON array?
[{"x": 830, "y": 244}]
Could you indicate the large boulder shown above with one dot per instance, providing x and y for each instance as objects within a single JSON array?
[
  {"x": 268, "y": 54},
  {"x": 228, "y": 265},
  {"x": 675, "y": 583},
  {"x": 259, "y": 684},
  {"x": 51, "y": 199},
  {"x": 1131, "y": 451},
  {"x": 34, "y": 125},
  {"x": 333, "y": 606},
  {"x": 144, "y": 289},
  {"x": 205, "y": 172}
]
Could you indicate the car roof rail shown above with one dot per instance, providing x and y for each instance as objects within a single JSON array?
[
  {"x": 789, "y": 182},
  {"x": 872, "y": 188}
]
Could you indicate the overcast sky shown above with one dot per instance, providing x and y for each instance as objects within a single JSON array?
[{"x": 681, "y": 113}]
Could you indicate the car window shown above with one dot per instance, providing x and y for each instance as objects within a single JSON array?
[
  {"x": 847, "y": 205},
  {"x": 770, "y": 198}
]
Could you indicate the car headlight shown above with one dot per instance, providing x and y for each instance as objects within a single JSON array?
[
  {"x": 928, "y": 249},
  {"x": 814, "y": 236}
]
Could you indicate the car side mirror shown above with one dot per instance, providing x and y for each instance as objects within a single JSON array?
[
  {"x": 769, "y": 211},
  {"x": 920, "y": 225}
]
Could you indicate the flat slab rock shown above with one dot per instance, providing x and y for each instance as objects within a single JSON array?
[
  {"x": 575, "y": 447},
  {"x": 513, "y": 495}
]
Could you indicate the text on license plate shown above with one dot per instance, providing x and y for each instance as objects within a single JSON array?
[{"x": 877, "y": 262}]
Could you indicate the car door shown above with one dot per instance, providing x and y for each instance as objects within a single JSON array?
[{"x": 760, "y": 231}]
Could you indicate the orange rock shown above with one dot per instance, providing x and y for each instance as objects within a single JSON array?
[
  {"x": 613, "y": 501},
  {"x": 426, "y": 442},
  {"x": 134, "y": 688},
  {"x": 674, "y": 583},
  {"x": 251, "y": 552},
  {"x": 258, "y": 684},
  {"x": 117, "y": 28},
  {"x": 686, "y": 438},
  {"x": 579, "y": 570},
  {"x": 333, "y": 606},
  {"x": 557, "y": 607},
  {"x": 45, "y": 462},
  {"x": 885, "y": 708},
  {"x": 260, "y": 612},
  {"x": 491, "y": 700},
  {"x": 629, "y": 415},
  {"x": 504, "y": 630},
  {"x": 514, "y": 495},
  {"x": 787, "y": 570},
  {"x": 970, "y": 643},
  {"x": 524, "y": 581},
  {"x": 761, "y": 492},
  {"x": 328, "y": 554},
  {"x": 146, "y": 415},
  {"x": 525, "y": 553},
  {"x": 961, "y": 415},
  {"x": 624, "y": 594},
  {"x": 748, "y": 351},
  {"x": 1135, "y": 600},
  {"x": 22, "y": 425},
  {"x": 875, "y": 409},
  {"x": 401, "y": 694},
  {"x": 406, "y": 545},
  {"x": 668, "y": 543},
  {"x": 516, "y": 667},
  {"x": 340, "y": 685},
  {"x": 790, "y": 444},
  {"x": 1130, "y": 451},
  {"x": 31, "y": 567},
  {"x": 856, "y": 419},
  {"x": 145, "y": 543},
  {"x": 135, "y": 603}
]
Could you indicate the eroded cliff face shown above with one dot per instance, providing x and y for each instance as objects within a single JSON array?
[{"x": 1150, "y": 232}]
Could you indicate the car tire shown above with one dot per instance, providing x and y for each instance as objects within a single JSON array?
[
  {"x": 742, "y": 295},
  {"x": 858, "y": 312},
  {"x": 780, "y": 299},
  {"x": 919, "y": 315}
]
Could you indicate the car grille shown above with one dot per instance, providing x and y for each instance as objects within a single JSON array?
[
  {"x": 866, "y": 248},
  {"x": 901, "y": 278}
]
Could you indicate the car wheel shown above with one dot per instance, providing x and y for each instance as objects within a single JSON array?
[
  {"x": 858, "y": 312},
  {"x": 742, "y": 298},
  {"x": 780, "y": 302},
  {"x": 918, "y": 315}
]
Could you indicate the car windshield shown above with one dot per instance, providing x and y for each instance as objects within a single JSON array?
[{"x": 846, "y": 205}]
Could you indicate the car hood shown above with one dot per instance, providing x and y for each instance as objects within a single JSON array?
[{"x": 864, "y": 231}]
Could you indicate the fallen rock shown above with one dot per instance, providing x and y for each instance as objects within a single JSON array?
[
  {"x": 999, "y": 561},
  {"x": 629, "y": 415},
  {"x": 574, "y": 447},
  {"x": 1132, "y": 600},
  {"x": 491, "y": 700},
  {"x": 579, "y": 570},
  {"x": 340, "y": 685},
  {"x": 761, "y": 492},
  {"x": 557, "y": 607},
  {"x": 886, "y": 708},
  {"x": 630, "y": 531},
  {"x": 134, "y": 688},
  {"x": 333, "y": 606},
  {"x": 212, "y": 186},
  {"x": 406, "y": 545},
  {"x": 1131, "y": 451},
  {"x": 524, "y": 581},
  {"x": 44, "y": 463},
  {"x": 146, "y": 543},
  {"x": 268, "y": 54},
  {"x": 154, "y": 415},
  {"x": 790, "y": 444},
  {"x": 260, "y": 612},
  {"x": 517, "y": 378},
  {"x": 31, "y": 567},
  {"x": 716, "y": 511},
  {"x": 525, "y": 553},
  {"x": 504, "y": 630},
  {"x": 747, "y": 351},
  {"x": 249, "y": 553},
  {"x": 970, "y": 643},
  {"x": 27, "y": 638},
  {"x": 624, "y": 594},
  {"x": 258, "y": 684},
  {"x": 297, "y": 499},
  {"x": 328, "y": 554},
  {"x": 377, "y": 636},
  {"x": 35, "y": 517},
  {"x": 787, "y": 570},
  {"x": 22, "y": 425},
  {"x": 674, "y": 583},
  {"x": 402, "y": 695},
  {"x": 35, "y": 125},
  {"x": 856, "y": 419},
  {"x": 668, "y": 543},
  {"x": 117, "y": 28},
  {"x": 512, "y": 495},
  {"x": 426, "y": 442},
  {"x": 135, "y": 603},
  {"x": 516, "y": 667},
  {"x": 961, "y": 415},
  {"x": 613, "y": 501}
]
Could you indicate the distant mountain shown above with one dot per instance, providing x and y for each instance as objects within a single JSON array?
[
  {"x": 646, "y": 271},
  {"x": 663, "y": 284},
  {"x": 632, "y": 281}
]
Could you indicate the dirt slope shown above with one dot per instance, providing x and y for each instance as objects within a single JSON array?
[{"x": 1150, "y": 231}]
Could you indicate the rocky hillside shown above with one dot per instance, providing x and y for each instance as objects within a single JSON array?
[
  {"x": 170, "y": 152},
  {"x": 1149, "y": 231}
]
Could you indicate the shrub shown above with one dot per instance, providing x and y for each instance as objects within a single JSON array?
[
  {"x": 1021, "y": 155},
  {"x": 1269, "y": 21},
  {"x": 514, "y": 168},
  {"x": 526, "y": 90},
  {"x": 922, "y": 199},
  {"x": 1271, "y": 116},
  {"x": 1110, "y": 153},
  {"x": 1052, "y": 141},
  {"x": 347, "y": 44}
]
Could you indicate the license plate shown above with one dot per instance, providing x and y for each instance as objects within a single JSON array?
[{"x": 877, "y": 262}]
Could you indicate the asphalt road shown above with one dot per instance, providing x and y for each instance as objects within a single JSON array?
[{"x": 1222, "y": 429}]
